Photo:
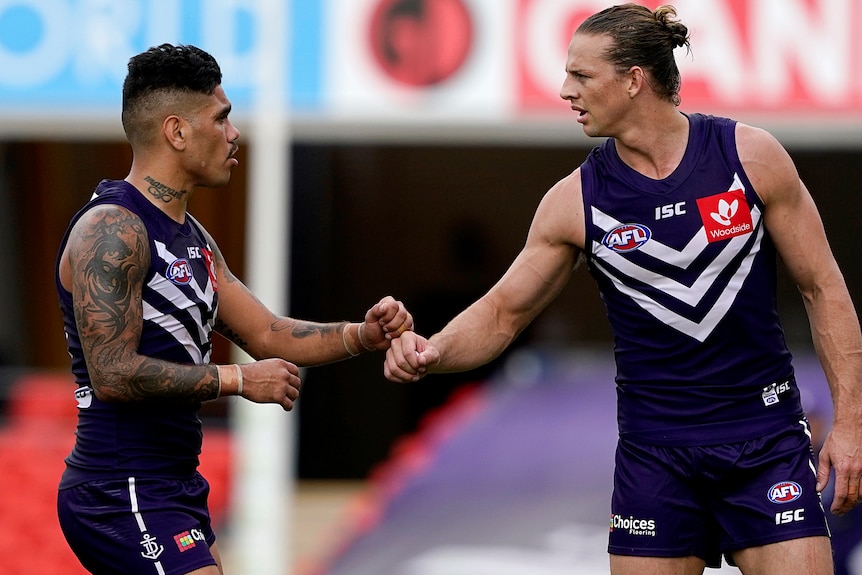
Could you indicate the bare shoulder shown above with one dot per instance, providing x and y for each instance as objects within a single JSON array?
[
  {"x": 110, "y": 219},
  {"x": 570, "y": 184},
  {"x": 105, "y": 233},
  {"x": 767, "y": 164},
  {"x": 560, "y": 215}
]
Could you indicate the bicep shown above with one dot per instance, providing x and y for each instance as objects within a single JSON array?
[
  {"x": 790, "y": 214},
  {"x": 108, "y": 256},
  {"x": 531, "y": 283},
  {"x": 550, "y": 254},
  {"x": 242, "y": 318},
  {"x": 796, "y": 229}
]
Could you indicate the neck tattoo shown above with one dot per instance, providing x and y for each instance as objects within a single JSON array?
[{"x": 162, "y": 192}]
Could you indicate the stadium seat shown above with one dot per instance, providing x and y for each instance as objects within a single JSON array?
[{"x": 38, "y": 434}]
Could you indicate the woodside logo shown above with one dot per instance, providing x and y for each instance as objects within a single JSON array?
[{"x": 725, "y": 215}]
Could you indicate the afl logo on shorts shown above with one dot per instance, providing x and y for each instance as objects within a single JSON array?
[
  {"x": 626, "y": 237},
  {"x": 785, "y": 492},
  {"x": 180, "y": 271}
]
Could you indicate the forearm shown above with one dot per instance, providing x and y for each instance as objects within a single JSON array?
[
  {"x": 475, "y": 337},
  {"x": 307, "y": 343},
  {"x": 485, "y": 329},
  {"x": 140, "y": 378},
  {"x": 836, "y": 337}
]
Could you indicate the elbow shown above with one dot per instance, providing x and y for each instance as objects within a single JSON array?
[
  {"x": 110, "y": 386},
  {"x": 831, "y": 288},
  {"x": 107, "y": 393}
]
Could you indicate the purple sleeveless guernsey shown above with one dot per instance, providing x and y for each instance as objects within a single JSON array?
[
  {"x": 157, "y": 438},
  {"x": 687, "y": 273}
]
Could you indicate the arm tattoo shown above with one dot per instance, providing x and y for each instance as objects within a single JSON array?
[
  {"x": 108, "y": 277},
  {"x": 303, "y": 329},
  {"x": 162, "y": 192},
  {"x": 225, "y": 330},
  {"x": 154, "y": 378}
]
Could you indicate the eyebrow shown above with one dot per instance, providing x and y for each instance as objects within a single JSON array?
[{"x": 224, "y": 112}]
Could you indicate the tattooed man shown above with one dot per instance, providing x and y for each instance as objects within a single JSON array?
[{"x": 142, "y": 286}]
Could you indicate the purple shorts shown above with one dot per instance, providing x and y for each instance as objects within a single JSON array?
[
  {"x": 145, "y": 526},
  {"x": 709, "y": 500}
]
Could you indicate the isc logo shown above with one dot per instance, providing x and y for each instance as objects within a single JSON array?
[
  {"x": 785, "y": 492},
  {"x": 786, "y": 517},
  {"x": 669, "y": 211},
  {"x": 626, "y": 237}
]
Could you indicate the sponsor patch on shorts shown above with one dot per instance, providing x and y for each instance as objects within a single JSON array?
[{"x": 187, "y": 539}]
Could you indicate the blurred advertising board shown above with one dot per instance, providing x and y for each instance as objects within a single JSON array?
[{"x": 409, "y": 62}]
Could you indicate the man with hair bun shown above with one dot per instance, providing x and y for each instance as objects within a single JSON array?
[
  {"x": 142, "y": 288},
  {"x": 681, "y": 218}
]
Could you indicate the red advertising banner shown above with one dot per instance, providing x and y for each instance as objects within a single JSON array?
[
  {"x": 787, "y": 60},
  {"x": 784, "y": 57}
]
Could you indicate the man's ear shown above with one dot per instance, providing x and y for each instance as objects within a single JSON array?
[
  {"x": 636, "y": 80},
  {"x": 175, "y": 130}
]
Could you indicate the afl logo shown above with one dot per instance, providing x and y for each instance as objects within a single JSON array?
[
  {"x": 785, "y": 492},
  {"x": 421, "y": 42},
  {"x": 180, "y": 271},
  {"x": 626, "y": 237}
]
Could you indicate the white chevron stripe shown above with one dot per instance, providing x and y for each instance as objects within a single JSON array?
[
  {"x": 677, "y": 258},
  {"x": 170, "y": 324},
  {"x": 681, "y": 259},
  {"x": 689, "y": 295},
  {"x": 698, "y": 330},
  {"x": 206, "y": 294},
  {"x": 172, "y": 293}
]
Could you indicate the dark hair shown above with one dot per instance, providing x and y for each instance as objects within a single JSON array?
[
  {"x": 645, "y": 38},
  {"x": 162, "y": 70}
]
